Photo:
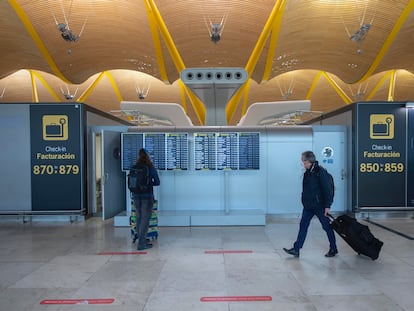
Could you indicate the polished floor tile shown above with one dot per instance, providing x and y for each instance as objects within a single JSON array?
[{"x": 200, "y": 268}]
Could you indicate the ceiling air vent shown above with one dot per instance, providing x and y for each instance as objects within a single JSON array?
[{"x": 214, "y": 87}]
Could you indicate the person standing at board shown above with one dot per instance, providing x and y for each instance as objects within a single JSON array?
[
  {"x": 147, "y": 177},
  {"x": 317, "y": 198}
]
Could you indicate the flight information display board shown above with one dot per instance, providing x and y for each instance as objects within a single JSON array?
[
  {"x": 130, "y": 145},
  {"x": 168, "y": 151},
  {"x": 205, "y": 151},
  {"x": 154, "y": 143},
  {"x": 177, "y": 151},
  {"x": 249, "y": 146},
  {"x": 226, "y": 151}
]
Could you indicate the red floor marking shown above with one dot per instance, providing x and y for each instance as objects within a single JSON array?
[
  {"x": 77, "y": 301},
  {"x": 229, "y": 252},
  {"x": 236, "y": 298},
  {"x": 122, "y": 253}
]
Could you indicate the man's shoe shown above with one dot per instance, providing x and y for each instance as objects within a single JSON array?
[
  {"x": 331, "y": 253},
  {"x": 292, "y": 251},
  {"x": 140, "y": 248}
]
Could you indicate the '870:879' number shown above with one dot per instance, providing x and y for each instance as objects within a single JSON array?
[{"x": 67, "y": 169}]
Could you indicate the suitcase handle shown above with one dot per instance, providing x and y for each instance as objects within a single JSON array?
[{"x": 330, "y": 217}]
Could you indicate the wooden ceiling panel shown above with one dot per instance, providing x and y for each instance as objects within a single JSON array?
[{"x": 311, "y": 39}]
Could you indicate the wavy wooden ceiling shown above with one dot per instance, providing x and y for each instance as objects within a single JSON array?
[{"x": 291, "y": 49}]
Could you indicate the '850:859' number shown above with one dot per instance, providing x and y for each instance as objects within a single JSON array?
[
  {"x": 381, "y": 167},
  {"x": 67, "y": 169}
]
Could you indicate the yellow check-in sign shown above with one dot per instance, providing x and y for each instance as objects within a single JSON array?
[
  {"x": 381, "y": 126},
  {"x": 55, "y": 127}
]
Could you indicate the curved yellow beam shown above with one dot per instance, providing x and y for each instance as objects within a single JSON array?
[
  {"x": 197, "y": 104},
  {"x": 91, "y": 87},
  {"x": 32, "y": 32},
  {"x": 397, "y": 27},
  {"x": 114, "y": 85},
  {"x": 157, "y": 43},
  {"x": 46, "y": 85},
  {"x": 178, "y": 62},
  {"x": 182, "y": 95},
  {"x": 35, "y": 96},
  {"x": 313, "y": 85},
  {"x": 337, "y": 88},
  {"x": 273, "y": 41},
  {"x": 379, "y": 84},
  {"x": 391, "y": 89},
  {"x": 231, "y": 107},
  {"x": 246, "y": 96},
  {"x": 254, "y": 57}
]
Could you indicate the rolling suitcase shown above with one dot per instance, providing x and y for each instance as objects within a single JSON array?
[
  {"x": 153, "y": 223},
  {"x": 357, "y": 235}
]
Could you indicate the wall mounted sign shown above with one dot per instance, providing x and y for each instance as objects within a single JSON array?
[
  {"x": 380, "y": 154},
  {"x": 56, "y": 140}
]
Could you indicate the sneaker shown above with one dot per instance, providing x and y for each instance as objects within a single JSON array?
[
  {"x": 147, "y": 246},
  {"x": 292, "y": 251},
  {"x": 331, "y": 253}
]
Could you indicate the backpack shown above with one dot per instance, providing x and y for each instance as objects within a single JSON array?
[
  {"x": 331, "y": 183},
  {"x": 139, "y": 180}
]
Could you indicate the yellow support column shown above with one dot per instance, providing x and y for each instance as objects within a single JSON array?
[
  {"x": 254, "y": 58},
  {"x": 40, "y": 45},
  {"x": 313, "y": 85},
  {"x": 35, "y": 96},
  {"x": 178, "y": 62},
  {"x": 46, "y": 85},
  {"x": 379, "y": 84},
  {"x": 91, "y": 87},
  {"x": 273, "y": 41},
  {"x": 394, "y": 32},
  {"x": 391, "y": 90},
  {"x": 114, "y": 85},
  {"x": 157, "y": 43},
  {"x": 337, "y": 88}
]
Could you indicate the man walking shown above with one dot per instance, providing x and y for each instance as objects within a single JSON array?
[{"x": 317, "y": 198}]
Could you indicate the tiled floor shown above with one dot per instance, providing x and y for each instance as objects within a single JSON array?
[{"x": 61, "y": 261}]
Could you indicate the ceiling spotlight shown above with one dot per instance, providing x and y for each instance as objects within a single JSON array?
[
  {"x": 66, "y": 33},
  {"x": 64, "y": 28},
  {"x": 68, "y": 95},
  {"x": 215, "y": 30},
  {"x": 142, "y": 93},
  {"x": 2, "y": 93},
  {"x": 361, "y": 33},
  {"x": 360, "y": 93}
]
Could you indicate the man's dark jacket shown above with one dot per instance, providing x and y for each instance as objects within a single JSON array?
[{"x": 316, "y": 188}]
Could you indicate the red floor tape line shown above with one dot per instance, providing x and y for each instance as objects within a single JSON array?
[
  {"x": 235, "y": 298},
  {"x": 122, "y": 253},
  {"x": 229, "y": 252},
  {"x": 77, "y": 301}
]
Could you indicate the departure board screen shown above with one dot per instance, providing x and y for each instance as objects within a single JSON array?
[
  {"x": 168, "y": 151},
  {"x": 154, "y": 143},
  {"x": 249, "y": 155},
  {"x": 177, "y": 151},
  {"x": 131, "y": 143},
  {"x": 205, "y": 151},
  {"x": 227, "y": 151}
]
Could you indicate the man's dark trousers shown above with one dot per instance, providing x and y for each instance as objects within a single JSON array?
[{"x": 307, "y": 215}]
